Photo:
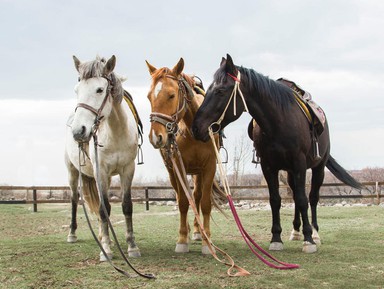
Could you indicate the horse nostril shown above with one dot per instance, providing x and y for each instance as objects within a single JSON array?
[
  {"x": 159, "y": 139},
  {"x": 83, "y": 129}
]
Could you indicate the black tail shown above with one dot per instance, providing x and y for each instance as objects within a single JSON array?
[{"x": 340, "y": 173}]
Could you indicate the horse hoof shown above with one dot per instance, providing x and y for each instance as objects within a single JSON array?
[
  {"x": 197, "y": 237},
  {"x": 316, "y": 237},
  {"x": 309, "y": 248},
  {"x": 205, "y": 250},
  {"x": 72, "y": 239},
  {"x": 103, "y": 258},
  {"x": 134, "y": 253},
  {"x": 276, "y": 246},
  {"x": 295, "y": 236},
  {"x": 182, "y": 248}
]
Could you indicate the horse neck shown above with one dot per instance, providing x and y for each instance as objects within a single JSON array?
[
  {"x": 267, "y": 114},
  {"x": 117, "y": 121},
  {"x": 191, "y": 110}
]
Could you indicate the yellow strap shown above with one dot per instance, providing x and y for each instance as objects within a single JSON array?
[
  {"x": 132, "y": 108},
  {"x": 303, "y": 106}
]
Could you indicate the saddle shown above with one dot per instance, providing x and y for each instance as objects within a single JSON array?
[
  {"x": 129, "y": 100},
  {"x": 313, "y": 112}
]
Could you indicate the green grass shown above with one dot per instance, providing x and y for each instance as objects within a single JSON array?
[{"x": 34, "y": 252}]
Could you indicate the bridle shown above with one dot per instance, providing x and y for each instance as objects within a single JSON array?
[
  {"x": 236, "y": 90},
  {"x": 185, "y": 95},
  {"x": 98, "y": 111}
]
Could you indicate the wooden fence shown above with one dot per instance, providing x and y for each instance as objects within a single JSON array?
[{"x": 149, "y": 193}]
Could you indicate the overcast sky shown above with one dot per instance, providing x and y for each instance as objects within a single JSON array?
[{"x": 332, "y": 48}]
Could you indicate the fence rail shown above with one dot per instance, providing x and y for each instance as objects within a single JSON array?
[{"x": 376, "y": 195}]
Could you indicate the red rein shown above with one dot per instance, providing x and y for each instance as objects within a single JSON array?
[{"x": 250, "y": 242}]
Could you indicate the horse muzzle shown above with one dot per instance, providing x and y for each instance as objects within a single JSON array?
[{"x": 81, "y": 134}]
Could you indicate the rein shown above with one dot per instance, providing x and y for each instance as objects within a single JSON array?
[
  {"x": 175, "y": 156},
  {"x": 250, "y": 242},
  {"x": 101, "y": 198}
]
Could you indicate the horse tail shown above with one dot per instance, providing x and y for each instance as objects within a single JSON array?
[
  {"x": 218, "y": 196},
  {"x": 90, "y": 193},
  {"x": 340, "y": 173}
]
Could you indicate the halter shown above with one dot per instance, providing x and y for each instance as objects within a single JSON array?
[
  {"x": 170, "y": 121},
  {"x": 97, "y": 112},
  {"x": 236, "y": 89}
]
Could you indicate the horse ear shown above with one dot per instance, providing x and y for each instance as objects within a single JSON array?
[
  {"x": 151, "y": 68},
  {"x": 77, "y": 62},
  {"x": 178, "y": 67},
  {"x": 223, "y": 61},
  {"x": 229, "y": 66},
  {"x": 110, "y": 65}
]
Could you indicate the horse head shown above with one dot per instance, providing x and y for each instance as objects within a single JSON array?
[
  {"x": 98, "y": 87},
  {"x": 216, "y": 111},
  {"x": 168, "y": 95}
]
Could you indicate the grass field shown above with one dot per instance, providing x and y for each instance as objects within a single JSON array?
[{"x": 34, "y": 252}]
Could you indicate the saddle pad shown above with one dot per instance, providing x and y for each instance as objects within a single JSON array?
[
  {"x": 129, "y": 100},
  {"x": 314, "y": 113}
]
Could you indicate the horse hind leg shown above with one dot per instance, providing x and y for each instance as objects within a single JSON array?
[
  {"x": 317, "y": 181},
  {"x": 127, "y": 206}
]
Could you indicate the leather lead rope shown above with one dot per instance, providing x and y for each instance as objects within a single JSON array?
[
  {"x": 182, "y": 176},
  {"x": 82, "y": 200}
]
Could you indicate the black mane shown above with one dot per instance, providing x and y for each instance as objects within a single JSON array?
[{"x": 266, "y": 88}]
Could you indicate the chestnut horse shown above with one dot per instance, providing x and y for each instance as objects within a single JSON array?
[
  {"x": 283, "y": 143},
  {"x": 174, "y": 104}
]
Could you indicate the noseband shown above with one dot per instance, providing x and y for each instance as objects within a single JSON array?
[
  {"x": 236, "y": 90},
  {"x": 97, "y": 112},
  {"x": 170, "y": 121}
]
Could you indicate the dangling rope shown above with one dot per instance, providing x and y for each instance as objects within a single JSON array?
[
  {"x": 243, "y": 232},
  {"x": 182, "y": 176}
]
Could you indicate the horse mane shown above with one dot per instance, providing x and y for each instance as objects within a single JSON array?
[
  {"x": 266, "y": 88},
  {"x": 164, "y": 71},
  {"x": 95, "y": 68}
]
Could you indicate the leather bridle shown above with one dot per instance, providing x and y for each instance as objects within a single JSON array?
[
  {"x": 185, "y": 94},
  {"x": 98, "y": 111}
]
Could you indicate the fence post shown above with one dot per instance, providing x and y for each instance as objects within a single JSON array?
[
  {"x": 377, "y": 193},
  {"x": 34, "y": 194},
  {"x": 146, "y": 199}
]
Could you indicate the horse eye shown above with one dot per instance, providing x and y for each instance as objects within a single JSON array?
[
  {"x": 99, "y": 90},
  {"x": 171, "y": 96}
]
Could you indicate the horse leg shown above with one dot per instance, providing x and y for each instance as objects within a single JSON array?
[
  {"x": 295, "y": 234},
  {"x": 127, "y": 206},
  {"x": 197, "y": 195},
  {"x": 271, "y": 176},
  {"x": 73, "y": 182},
  {"x": 317, "y": 181},
  {"x": 206, "y": 206},
  {"x": 182, "y": 244},
  {"x": 103, "y": 221},
  {"x": 301, "y": 202}
]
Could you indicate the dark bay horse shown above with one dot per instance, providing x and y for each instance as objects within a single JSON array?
[{"x": 284, "y": 141}]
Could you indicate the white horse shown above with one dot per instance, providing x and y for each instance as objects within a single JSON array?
[{"x": 100, "y": 93}]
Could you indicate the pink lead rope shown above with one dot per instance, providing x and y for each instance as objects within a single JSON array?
[{"x": 246, "y": 237}]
